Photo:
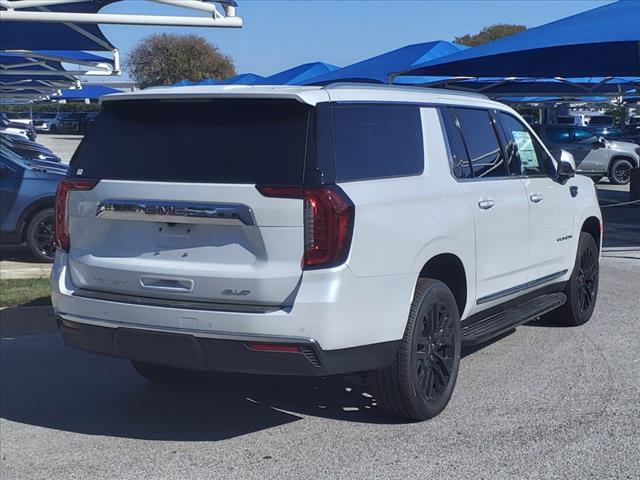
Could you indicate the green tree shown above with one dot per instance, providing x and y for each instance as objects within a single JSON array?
[
  {"x": 488, "y": 34},
  {"x": 163, "y": 59}
]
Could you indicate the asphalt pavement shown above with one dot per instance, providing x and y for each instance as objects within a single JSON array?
[
  {"x": 64, "y": 145},
  {"x": 541, "y": 402}
]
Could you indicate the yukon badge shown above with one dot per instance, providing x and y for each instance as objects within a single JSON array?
[
  {"x": 562, "y": 239},
  {"x": 236, "y": 293}
]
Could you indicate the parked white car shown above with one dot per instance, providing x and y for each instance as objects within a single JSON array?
[
  {"x": 14, "y": 130},
  {"x": 317, "y": 231}
]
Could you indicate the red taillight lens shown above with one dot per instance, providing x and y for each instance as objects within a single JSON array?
[
  {"x": 61, "y": 227},
  {"x": 328, "y": 222},
  {"x": 273, "y": 347}
]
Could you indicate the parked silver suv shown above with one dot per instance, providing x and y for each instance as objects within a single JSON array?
[{"x": 594, "y": 156}]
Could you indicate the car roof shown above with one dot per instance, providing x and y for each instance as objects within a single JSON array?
[{"x": 338, "y": 92}]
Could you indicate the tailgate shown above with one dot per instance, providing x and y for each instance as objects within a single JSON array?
[{"x": 209, "y": 243}]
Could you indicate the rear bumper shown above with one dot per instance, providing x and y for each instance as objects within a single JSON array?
[
  {"x": 349, "y": 323},
  {"x": 216, "y": 354}
]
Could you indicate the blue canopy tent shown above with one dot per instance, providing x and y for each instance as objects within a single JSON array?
[
  {"x": 92, "y": 92},
  {"x": 378, "y": 68},
  {"x": 495, "y": 87},
  {"x": 16, "y": 79},
  {"x": 297, "y": 75},
  {"x": 56, "y": 36},
  {"x": 243, "y": 79},
  {"x": 599, "y": 42}
]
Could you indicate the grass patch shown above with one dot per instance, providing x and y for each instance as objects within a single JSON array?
[{"x": 24, "y": 291}]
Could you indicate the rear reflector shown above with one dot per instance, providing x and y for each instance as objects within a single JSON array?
[
  {"x": 328, "y": 222},
  {"x": 273, "y": 347},
  {"x": 61, "y": 215}
]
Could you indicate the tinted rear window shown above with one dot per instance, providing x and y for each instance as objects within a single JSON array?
[
  {"x": 377, "y": 141},
  {"x": 205, "y": 141}
]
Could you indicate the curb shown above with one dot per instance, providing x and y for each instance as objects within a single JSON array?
[
  {"x": 16, "y": 321},
  {"x": 28, "y": 272}
]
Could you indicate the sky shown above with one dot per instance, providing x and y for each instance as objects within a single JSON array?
[{"x": 281, "y": 34}]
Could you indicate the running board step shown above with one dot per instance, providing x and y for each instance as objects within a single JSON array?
[{"x": 486, "y": 328}]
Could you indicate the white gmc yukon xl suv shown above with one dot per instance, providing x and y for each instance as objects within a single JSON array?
[{"x": 317, "y": 231}]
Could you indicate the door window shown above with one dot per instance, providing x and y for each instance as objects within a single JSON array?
[
  {"x": 481, "y": 142},
  {"x": 525, "y": 155}
]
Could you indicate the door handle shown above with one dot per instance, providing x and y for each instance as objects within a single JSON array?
[
  {"x": 536, "y": 197},
  {"x": 486, "y": 204}
]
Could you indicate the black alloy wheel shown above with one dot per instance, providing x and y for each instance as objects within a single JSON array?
[
  {"x": 587, "y": 280},
  {"x": 621, "y": 172},
  {"x": 40, "y": 235},
  {"x": 582, "y": 288},
  {"x": 435, "y": 351},
  {"x": 420, "y": 382}
]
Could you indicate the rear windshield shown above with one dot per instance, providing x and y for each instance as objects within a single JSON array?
[{"x": 204, "y": 141}]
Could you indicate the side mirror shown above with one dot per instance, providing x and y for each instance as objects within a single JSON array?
[
  {"x": 600, "y": 143},
  {"x": 567, "y": 157},
  {"x": 565, "y": 172}
]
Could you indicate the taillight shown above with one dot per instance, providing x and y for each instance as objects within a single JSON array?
[
  {"x": 61, "y": 227},
  {"x": 328, "y": 222}
]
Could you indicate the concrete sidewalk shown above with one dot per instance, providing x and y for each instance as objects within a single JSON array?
[{"x": 17, "y": 262}]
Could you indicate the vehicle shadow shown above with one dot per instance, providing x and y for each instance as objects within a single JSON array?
[
  {"x": 16, "y": 253},
  {"x": 48, "y": 384}
]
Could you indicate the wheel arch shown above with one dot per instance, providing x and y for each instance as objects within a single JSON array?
[
  {"x": 593, "y": 226},
  {"x": 621, "y": 156},
  {"x": 28, "y": 213},
  {"x": 449, "y": 269}
]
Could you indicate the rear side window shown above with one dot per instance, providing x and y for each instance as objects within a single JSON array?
[
  {"x": 459, "y": 159},
  {"x": 200, "y": 141},
  {"x": 481, "y": 142},
  {"x": 377, "y": 141}
]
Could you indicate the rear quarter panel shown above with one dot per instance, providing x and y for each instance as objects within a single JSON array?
[{"x": 401, "y": 223}]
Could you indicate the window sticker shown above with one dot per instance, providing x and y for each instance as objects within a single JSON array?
[{"x": 526, "y": 150}]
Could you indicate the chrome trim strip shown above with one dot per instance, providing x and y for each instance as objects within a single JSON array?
[
  {"x": 176, "y": 303},
  {"x": 173, "y": 212},
  {"x": 519, "y": 288}
]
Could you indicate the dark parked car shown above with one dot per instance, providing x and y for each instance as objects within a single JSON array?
[
  {"x": 91, "y": 120},
  {"x": 615, "y": 134},
  {"x": 26, "y": 148},
  {"x": 27, "y": 193},
  {"x": 601, "y": 121},
  {"x": 72, "y": 122}
]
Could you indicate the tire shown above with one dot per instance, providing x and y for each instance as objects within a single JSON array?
[
  {"x": 582, "y": 288},
  {"x": 53, "y": 129},
  {"x": 420, "y": 382},
  {"x": 164, "y": 375},
  {"x": 620, "y": 173},
  {"x": 40, "y": 235}
]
